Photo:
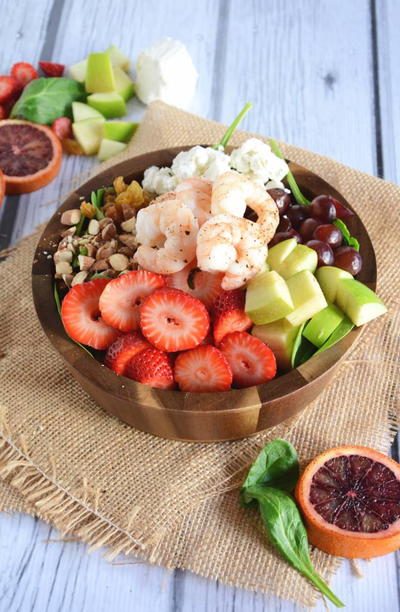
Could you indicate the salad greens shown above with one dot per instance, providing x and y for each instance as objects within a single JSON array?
[
  {"x": 340, "y": 332},
  {"x": 348, "y": 239},
  {"x": 229, "y": 132},
  {"x": 97, "y": 200},
  {"x": 272, "y": 475},
  {"x": 302, "y": 348},
  {"x": 44, "y": 100}
]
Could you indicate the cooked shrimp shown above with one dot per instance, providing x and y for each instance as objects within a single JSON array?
[
  {"x": 233, "y": 245},
  {"x": 232, "y": 192},
  {"x": 167, "y": 232},
  {"x": 196, "y": 194}
]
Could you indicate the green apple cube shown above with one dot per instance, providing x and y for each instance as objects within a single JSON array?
[
  {"x": 109, "y": 148},
  {"x": 118, "y": 58},
  {"x": 99, "y": 73},
  {"x": 77, "y": 71},
  {"x": 89, "y": 134},
  {"x": 119, "y": 130},
  {"x": 323, "y": 324},
  {"x": 278, "y": 253},
  {"x": 267, "y": 298},
  {"x": 306, "y": 295},
  {"x": 81, "y": 111},
  {"x": 123, "y": 84},
  {"x": 359, "y": 302},
  {"x": 279, "y": 336},
  {"x": 301, "y": 258},
  {"x": 328, "y": 278},
  {"x": 108, "y": 104}
]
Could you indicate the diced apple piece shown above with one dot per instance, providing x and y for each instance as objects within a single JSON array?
[
  {"x": 279, "y": 336},
  {"x": 99, "y": 73},
  {"x": 267, "y": 298},
  {"x": 123, "y": 84},
  {"x": 119, "y": 130},
  {"x": 108, "y": 104},
  {"x": 301, "y": 258},
  {"x": 328, "y": 278},
  {"x": 109, "y": 148},
  {"x": 118, "y": 58},
  {"x": 306, "y": 295},
  {"x": 89, "y": 134},
  {"x": 81, "y": 111},
  {"x": 323, "y": 324},
  {"x": 78, "y": 71},
  {"x": 359, "y": 302},
  {"x": 278, "y": 253}
]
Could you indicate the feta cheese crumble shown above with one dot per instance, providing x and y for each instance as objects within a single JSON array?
[
  {"x": 159, "y": 180},
  {"x": 200, "y": 161},
  {"x": 165, "y": 71},
  {"x": 256, "y": 159}
]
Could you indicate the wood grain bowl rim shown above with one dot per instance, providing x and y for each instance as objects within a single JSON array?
[{"x": 284, "y": 387}]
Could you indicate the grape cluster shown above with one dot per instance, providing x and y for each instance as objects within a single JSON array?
[{"x": 313, "y": 226}]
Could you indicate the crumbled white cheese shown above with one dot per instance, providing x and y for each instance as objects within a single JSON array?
[
  {"x": 200, "y": 161},
  {"x": 256, "y": 159},
  {"x": 165, "y": 71},
  {"x": 159, "y": 180}
]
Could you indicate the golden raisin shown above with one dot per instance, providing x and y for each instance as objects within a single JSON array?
[
  {"x": 119, "y": 184},
  {"x": 88, "y": 210},
  {"x": 72, "y": 146},
  {"x": 147, "y": 197},
  {"x": 126, "y": 197}
]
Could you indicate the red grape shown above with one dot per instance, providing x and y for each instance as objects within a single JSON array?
[
  {"x": 297, "y": 214},
  {"x": 324, "y": 252},
  {"x": 342, "y": 212},
  {"x": 284, "y": 224},
  {"x": 323, "y": 208},
  {"x": 281, "y": 236},
  {"x": 307, "y": 228},
  {"x": 348, "y": 259},
  {"x": 282, "y": 199},
  {"x": 330, "y": 234}
]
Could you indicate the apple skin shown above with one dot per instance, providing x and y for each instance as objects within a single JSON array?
[
  {"x": 267, "y": 298},
  {"x": 323, "y": 324},
  {"x": 279, "y": 336},
  {"x": 123, "y": 84},
  {"x": 109, "y": 148},
  {"x": 328, "y": 278},
  {"x": 122, "y": 131},
  {"x": 278, "y": 253},
  {"x": 99, "y": 74},
  {"x": 109, "y": 104},
  {"x": 89, "y": 133},
  {"x": 358, "y": 302},
  {"x": 307, "y": 297}
]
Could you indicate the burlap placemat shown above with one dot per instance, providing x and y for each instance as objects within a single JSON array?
[{"x": 173, "y": 503}]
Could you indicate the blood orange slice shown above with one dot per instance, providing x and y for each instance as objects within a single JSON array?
[
  {"x": 2, "y": 188},
  {"x": 350, "y": 500},
  {"x": 30, "y": 155}
]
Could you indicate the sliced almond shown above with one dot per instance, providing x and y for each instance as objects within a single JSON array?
[
  {"x": 105, "y": 251},
  {"x": 100, "y": 265},
  {"x": 69, "y": 232},
  {"x": 94, "y": 227},
  {"x": 67, "y": 278},
  {"x": 119, "y": 262},
  {"x": 79, "y": 278},
  {"x": 129, "y": 240},
  {"x": 71, "y": 217},
  {"x": 63, "y": 267},
  {"x": 104, "y": 222},
  {"x": 85, "y": 262},
  {"x": 108, "y": 232},
  {"x": 62, "y": 255},
  {"x": 129, "y": 225}
]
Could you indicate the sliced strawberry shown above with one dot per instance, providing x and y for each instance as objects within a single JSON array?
[
  {"x": 3, "y": 112},
  {"x": 151, "y": 367},
  {"x": 173, "y": 320},
  {"x": 62, "y": 127},
  {"x": 252, "y": 362},
  {"x": 7, "y": 88},
  {"x": 204, "y": 369},
  {"x": 202, "y": 285},
  {"x": 120, "y": 352},
  {"x": 24, "y": 73},
  {"x": 121, "y": 300},
  {"x": 51, "y": 69},
  {"x": 229, "y": 314},
  {"x": 80, "y": 315}
]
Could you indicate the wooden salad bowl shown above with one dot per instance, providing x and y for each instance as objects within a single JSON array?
[{"x": 210, "y": 417}]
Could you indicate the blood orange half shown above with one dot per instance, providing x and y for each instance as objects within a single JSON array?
[
  {"x": 30, "y": 155},
  {"x": 350, "y": 500},
  {"x": 2, "y": 188}
]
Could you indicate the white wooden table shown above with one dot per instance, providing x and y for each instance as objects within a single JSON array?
[{"x": 322, "y": 74}]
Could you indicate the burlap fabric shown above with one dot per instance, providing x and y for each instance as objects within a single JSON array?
[{"x": 173, "y": 503}]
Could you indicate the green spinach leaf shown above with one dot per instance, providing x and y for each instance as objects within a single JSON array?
[
  {"x": 277, "y": 465},
  {"x": 340, "y": 332},
  {"x": 44, "y": 100},
  {"x": 302, "y": 348},
  {"x": 97, "y": 200},
  {"x": 299, "y": 197},
  {"x": 348, "y": 239},
  {"x": 286, "y": 531}
]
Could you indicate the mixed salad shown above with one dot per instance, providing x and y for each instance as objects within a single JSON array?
[{"x": 213, "y": 273}]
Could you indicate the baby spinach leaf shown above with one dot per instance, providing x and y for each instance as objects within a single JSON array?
[
  {"x": 299, "y": 197},
  {"x": 302, "y": 348},
  {"x": 286, "y": 531},
  {"x": 277, "y": 465},
  {"x": 340, "y": 332},
  {"x": 44, "y": 100},
  {"x": 348, "y": 239}
]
